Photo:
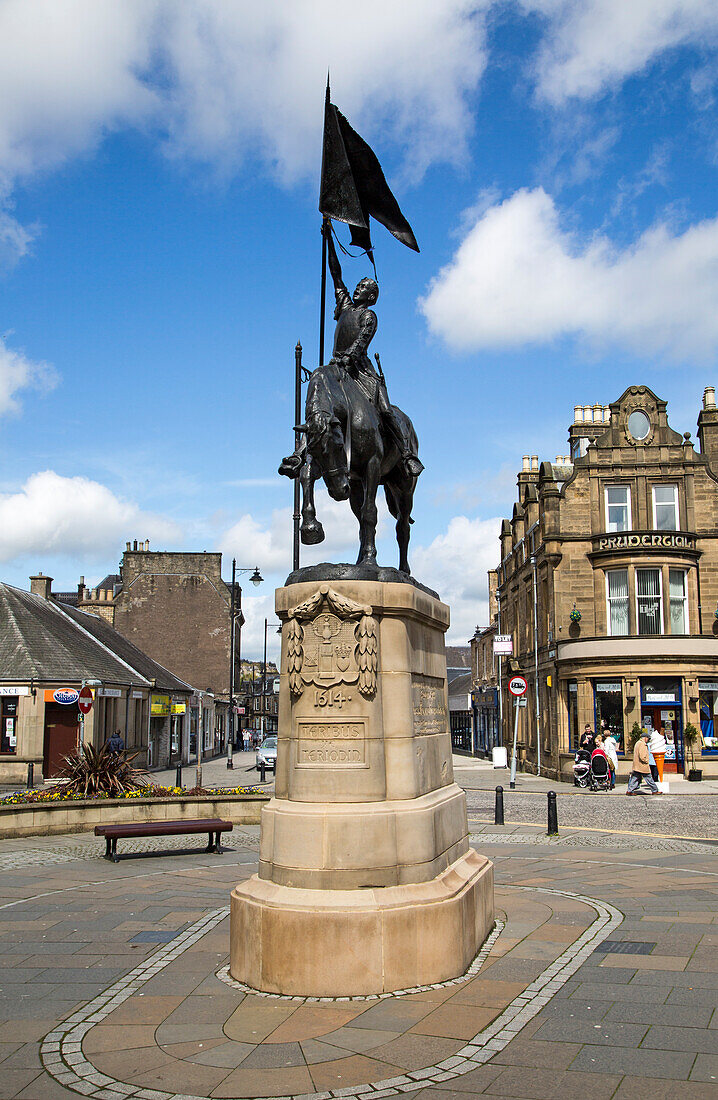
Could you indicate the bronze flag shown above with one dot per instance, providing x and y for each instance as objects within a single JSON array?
[{"x": 353, "y": 186}]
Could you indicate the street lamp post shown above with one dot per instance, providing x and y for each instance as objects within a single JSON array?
[{"x": 234, "y": 614}]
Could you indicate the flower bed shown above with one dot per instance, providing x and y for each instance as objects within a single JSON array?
[
  {"x": 60, "y": 794},
  {"x": 44, "y": 812}
]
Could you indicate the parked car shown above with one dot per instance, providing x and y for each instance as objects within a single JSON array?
[{"x": 267, "y": 754}]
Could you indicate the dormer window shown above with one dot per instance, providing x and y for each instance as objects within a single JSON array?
[
  {"x": 665, "y": 508},
  {"x": 618, "y": 508}
]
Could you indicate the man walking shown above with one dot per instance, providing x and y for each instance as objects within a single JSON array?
[{"x": 641, "y": 767}]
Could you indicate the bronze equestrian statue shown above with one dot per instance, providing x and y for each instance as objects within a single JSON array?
[{"x": 353, "y": 437}]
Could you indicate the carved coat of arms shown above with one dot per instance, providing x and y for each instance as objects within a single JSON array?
[{"x": 332, "y": 640}]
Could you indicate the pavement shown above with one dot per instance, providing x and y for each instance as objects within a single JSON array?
[{"x": 600, "y": 980}]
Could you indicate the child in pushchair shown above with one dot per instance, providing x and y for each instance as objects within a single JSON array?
[{"x": 600, "y": 774}]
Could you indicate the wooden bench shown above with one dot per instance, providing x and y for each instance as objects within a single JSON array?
[{"x": 213, "y": 826}]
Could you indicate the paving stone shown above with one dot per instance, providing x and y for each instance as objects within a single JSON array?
[{"x": 646, "y": 1063}]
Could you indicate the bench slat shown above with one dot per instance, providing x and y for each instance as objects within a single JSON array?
[{"x": 164, "y": 828}]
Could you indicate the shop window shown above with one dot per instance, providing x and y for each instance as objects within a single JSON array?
[
  {"x": 665, "y": 507},
  {"x": 617, "y": 596},
  {"x": 572, "y": 702},
  {"x": 649, "y": 601},
  {"x": 678, "y": 600},
  {"x": 708, "y": 706},
  {"x": 8, "y": 715},
  {"x": 618, "y": 508},
  {"x": 608, "y": 698}
]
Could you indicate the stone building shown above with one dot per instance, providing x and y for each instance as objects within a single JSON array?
[
  {"x": 176, "y": 607},
  {"x": 608, "y": 584},
  {"x": 485, "y": 688}
]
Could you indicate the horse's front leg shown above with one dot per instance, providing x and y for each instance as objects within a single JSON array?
[
  {"x": 369, "y": 515},
  {"x": 311, "y": 530}
]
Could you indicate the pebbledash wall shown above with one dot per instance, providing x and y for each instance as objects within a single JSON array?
[{"x": 608, "y": 585}]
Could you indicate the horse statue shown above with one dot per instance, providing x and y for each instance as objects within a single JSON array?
[{"x": 348, "y": 449}]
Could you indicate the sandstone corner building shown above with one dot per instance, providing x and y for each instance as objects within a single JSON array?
[{"x": 608, "y": 585}]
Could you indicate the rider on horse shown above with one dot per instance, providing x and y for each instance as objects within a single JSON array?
[{"x": 356, "y": 326}]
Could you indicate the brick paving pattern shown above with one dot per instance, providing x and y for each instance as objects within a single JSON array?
[{"x": 109, "y": 982}]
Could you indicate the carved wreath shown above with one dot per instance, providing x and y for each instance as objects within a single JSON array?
[{"x": 365, "y": 633}]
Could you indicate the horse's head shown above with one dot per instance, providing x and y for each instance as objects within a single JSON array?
[{"x": 325, "y": 442}]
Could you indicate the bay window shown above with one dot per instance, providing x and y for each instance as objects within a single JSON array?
[
  {"x": 678, "y": 601},
  {"x": 617, "y": 595},
  {"x": 649, "y": 601}
]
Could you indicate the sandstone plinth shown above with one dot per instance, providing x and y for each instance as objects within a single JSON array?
[{"x": 366, "y": 882}]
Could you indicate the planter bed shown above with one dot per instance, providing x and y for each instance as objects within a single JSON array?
[{"x": 82, "y": 815}]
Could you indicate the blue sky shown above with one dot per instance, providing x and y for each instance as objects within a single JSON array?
[{"x": 160, "y": 256}]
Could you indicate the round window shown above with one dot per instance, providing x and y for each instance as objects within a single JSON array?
[{"x": 639, "y": 425}]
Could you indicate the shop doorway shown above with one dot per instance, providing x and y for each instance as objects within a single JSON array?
[
  {"x": 62, "y": 730},
  {"x": 661, "y": 710}
]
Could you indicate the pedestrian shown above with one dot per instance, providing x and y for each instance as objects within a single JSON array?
[
  {"x": 610, "y": 745},
  {"x": 246, "y": 740},
  {"x": 657, "y": 747},
  {"x": 588, "y": 741},
  {"x": 116, "y": 742},
  {"x": 641, "y": 767}
]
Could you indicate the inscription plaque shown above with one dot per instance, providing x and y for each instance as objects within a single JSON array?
[
  {"x": 429, "y": 704},
  {"x": 339, "y": 744}
]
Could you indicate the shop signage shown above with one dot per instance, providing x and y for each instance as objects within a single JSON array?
[
  {"x": 660, "y": 697},
  {"x": 159, "y": 706},
  {"x": 647, "y": 541},
  {"x": 240, "y": 710},
  {"x": 609, "y": 686},
  {"x": 137, "y": 694},
  {"x": 703, "y": 685},
  {"x": 503, "y": 645},
  {"x": 179, "y": 708},
  {"x": 110, "y": 693},
  {"x": 14, "y": 689},
  {"x": 66, "y": 696}
]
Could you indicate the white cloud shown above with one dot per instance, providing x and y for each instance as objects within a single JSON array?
[
  {"x": 520, "y": 278},
  {"x": 55, "y": 516},
  {"x": 226, "y": 79},
  {"x": 455, "y": 565},
  {"x": 593, "y": 45},
  {"x": 17, "y": 372},
  {"x": 269, "y": 545}
]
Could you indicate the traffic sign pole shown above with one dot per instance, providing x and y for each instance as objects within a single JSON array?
[{"x": 518, "y": 687}]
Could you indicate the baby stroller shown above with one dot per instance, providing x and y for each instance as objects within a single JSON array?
[
  {"x": 600, "y": 778},
  {"x": 582, "y": 768}
]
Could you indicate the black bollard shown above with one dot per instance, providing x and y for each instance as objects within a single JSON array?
[
  {"x": 499, "y": 806},
  {"x": 178, "y": 776},
  {"x": 30, "y": 776},
  {"x": 262, "y": 767},
  {"x": 552, "y": 814}
]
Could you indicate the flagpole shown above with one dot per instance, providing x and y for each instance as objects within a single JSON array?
[{"x": 326, "y": 228}]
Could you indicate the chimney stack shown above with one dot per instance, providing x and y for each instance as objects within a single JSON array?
[{"x": 41, "y": 586}]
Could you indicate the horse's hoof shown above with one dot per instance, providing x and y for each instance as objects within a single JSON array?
[{"x": 312, "y": 533}]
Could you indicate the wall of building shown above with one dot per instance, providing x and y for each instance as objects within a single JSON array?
[{"x": 558, "y": 547}]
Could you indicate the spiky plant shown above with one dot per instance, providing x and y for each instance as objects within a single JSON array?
[{"x": 91, "y": 772}]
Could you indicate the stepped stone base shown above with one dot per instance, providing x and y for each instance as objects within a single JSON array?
[{"x": 330, "y": 943}]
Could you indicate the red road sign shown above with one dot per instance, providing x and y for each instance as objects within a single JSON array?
[
  {"x": 85, "y": 701},
  {"x": 518, "y": 685}
]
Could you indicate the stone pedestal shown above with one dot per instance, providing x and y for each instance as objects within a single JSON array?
[{"x": 366, "y": 880}]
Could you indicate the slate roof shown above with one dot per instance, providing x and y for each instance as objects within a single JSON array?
[
  {"x": 459, "y": 689},
  {"x": 42, "y": 640},
  {"x": 458, "y": 656}
]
